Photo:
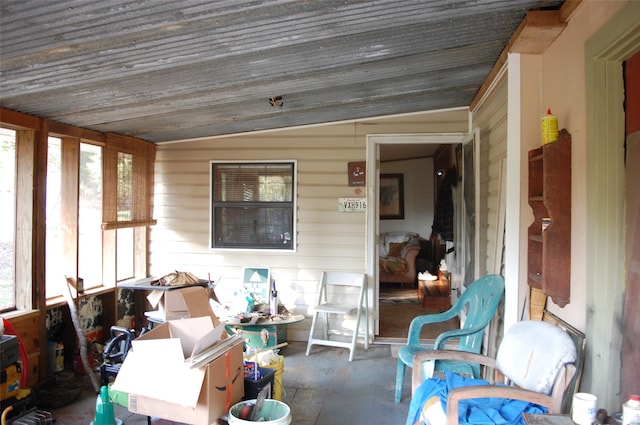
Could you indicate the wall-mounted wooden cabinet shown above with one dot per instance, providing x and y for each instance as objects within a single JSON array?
[{"x": 549, "y": 243}]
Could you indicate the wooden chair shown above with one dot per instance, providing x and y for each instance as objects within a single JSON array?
[
  {"x": 480, "y": 302},
  {"x": 336, "y": 288},
  {"x": 535, "y": 359}
]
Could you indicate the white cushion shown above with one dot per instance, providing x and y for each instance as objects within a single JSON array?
[
  {"x": 532, "y": 353},
  {"x": 388, "y": 237}
]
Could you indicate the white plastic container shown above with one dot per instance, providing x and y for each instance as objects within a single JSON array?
[
  {"x": 583, "y": 409},
  {"x": 273, "y": 412},
  {"x": 631, "y": 411}
]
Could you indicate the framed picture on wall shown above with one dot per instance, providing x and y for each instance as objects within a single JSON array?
[{"x": 391, "y": 197}]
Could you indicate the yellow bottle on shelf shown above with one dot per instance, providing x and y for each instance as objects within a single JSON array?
[{"x": 549, "y": 128}]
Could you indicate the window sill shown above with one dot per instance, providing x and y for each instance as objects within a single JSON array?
[
  {"x": 60, "y": 300},
  {"x": 20, "y": 314}
]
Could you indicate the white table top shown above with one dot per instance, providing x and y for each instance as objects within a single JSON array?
[
  {"x": 258, "y": 320},
  {"x": 155, "y": 316}
]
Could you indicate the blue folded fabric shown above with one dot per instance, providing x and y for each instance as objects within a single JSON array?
[{"x": 479, "y": 411}]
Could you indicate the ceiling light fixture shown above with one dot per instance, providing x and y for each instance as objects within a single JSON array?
[{"x": 276, "y": 102}]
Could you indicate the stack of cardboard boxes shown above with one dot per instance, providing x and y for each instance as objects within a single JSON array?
[{"x": 187, "y": 369}]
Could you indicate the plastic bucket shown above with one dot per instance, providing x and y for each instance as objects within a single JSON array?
[
  {"x": 277, "y": 364},
  {"x": 277, "y": 379},
  {"x": 253, "y": 386},
  {"x": 273, "y": 412}
]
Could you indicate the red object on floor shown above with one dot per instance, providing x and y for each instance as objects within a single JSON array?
[
  {"x": 78, "y": 367},
  {"x": 9, "y": 330}
]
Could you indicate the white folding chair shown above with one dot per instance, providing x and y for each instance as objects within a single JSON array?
[{"x": 335, "y": 292}]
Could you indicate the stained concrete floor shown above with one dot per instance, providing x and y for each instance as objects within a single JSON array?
[{"x": 323, "y": 388}]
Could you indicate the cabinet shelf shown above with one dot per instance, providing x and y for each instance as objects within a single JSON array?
[{"x": 549, "y": 250}]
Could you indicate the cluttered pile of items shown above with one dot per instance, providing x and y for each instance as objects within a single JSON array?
[
  {"x": 17, "y": 401},
  {"x": 192, "y": 367},
  {"x": 189, "y": 365}
]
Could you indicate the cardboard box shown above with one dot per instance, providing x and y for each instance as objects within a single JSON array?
[
  {"x": 181, "y": 303},
  {"x": 157, "y": 373}
]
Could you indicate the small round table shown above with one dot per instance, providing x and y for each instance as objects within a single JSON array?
[{"x": 263, "y": 332}]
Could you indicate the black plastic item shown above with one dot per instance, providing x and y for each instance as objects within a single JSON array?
[
  {"x": 115, "y": 352},
  {"x": 9, "y": 351},
  {"x": 253, "y": 386},
  {"x": 18, "y": 407}
]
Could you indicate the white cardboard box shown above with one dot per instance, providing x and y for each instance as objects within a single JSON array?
[
  {"x": 159, "y": 381},
  {"x": 181, "y": 303}
]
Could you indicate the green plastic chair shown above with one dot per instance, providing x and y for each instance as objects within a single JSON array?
[{"x": 480, "y": 302}]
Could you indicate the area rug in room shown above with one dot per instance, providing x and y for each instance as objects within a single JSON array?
[{"x": 396, "y": 295}]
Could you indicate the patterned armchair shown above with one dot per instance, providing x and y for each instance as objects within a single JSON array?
[{"x": 397, "y": 261}]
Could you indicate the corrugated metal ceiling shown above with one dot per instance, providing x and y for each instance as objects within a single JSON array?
[{"x": 172, "y": 70}]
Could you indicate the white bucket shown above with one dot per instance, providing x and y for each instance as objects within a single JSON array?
[{"x": 273, "y": 412}]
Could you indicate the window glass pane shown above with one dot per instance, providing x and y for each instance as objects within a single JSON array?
[
  {"x": 253, "y": 182},
  {"x": 90, "y": 216},
  {"x": 125, "y": 249},
  {"x": 125, "y": 186},
  {"x": 7, "y": 216},
  {"x": 252, "y": 205},
  {"x": 54, "y": 261},
  {"x": 253, "y": 227}
]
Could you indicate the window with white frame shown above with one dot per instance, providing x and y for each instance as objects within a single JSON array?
[
  {"x": 55, "y": 283},
  {"x": 89, "y": 221},
  {"x": 253, "y": 205},
  {"x": 90, "y": 216},
  {"x": 125, "y": 237},
  {"x": 7, "y": 216},
  {"x": 74, "y": 215},
  {"x": 128, "y": 209}
]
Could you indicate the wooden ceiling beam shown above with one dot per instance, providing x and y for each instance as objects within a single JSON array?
[{"x": 534, "y": 34}]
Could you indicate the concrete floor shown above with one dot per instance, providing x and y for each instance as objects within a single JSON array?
[{"x": 323, "y": 388}]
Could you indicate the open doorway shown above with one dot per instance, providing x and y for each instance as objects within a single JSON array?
[{"x": 420, "y": 161}]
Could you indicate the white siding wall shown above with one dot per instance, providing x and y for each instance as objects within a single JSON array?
[
  {"x": 326, "y": 238},
  {"x": 491, "y": 118}
]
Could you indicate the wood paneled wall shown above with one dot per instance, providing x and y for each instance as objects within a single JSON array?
[{"x": 29, "y": 317}]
